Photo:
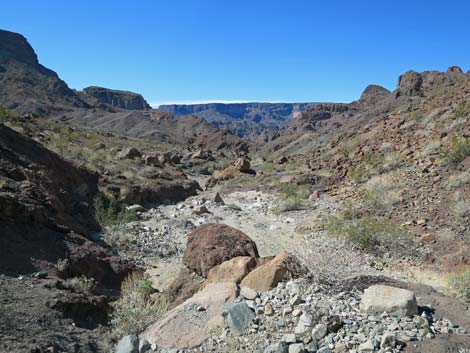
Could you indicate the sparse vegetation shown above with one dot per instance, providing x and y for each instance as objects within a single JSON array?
[
  {"x": 291, "y": 198},
  {"x": 138, "y": 305},
  {"x": 460, "y": 283},
  {"x": 462, "y": 110},
  {"x": 370, "y": 234},
  {"x": 111, "y": 212},
  {"x": 381, "y": 194},
  {"x": 458, "y": 150},
  {"x": 80, "y": 284}
]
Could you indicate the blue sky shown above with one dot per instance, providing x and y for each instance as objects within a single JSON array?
[{"x": 239, "y": 50}]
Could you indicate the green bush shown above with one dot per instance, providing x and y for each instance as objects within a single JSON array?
[
  {"x": 110, "y": 212},
  {"x": 370, "y": 235},
  {"x": 460, "y": 283},
  {"x": 80, "y": 284},
  {"x": 291, "y": 198},
  {"x": 458, "y": 150},
  {"x": 138, "y": 306}
]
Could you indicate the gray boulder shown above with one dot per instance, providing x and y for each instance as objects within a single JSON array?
[
  {"x": 395, "y": 301},
  {"x": 128, "y": 344},
  {"x": 239, "y": 316}
]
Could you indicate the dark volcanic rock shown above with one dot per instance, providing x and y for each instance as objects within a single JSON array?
[
  {"x": 115, "y": 98},
  {"x": 409, "y": 85},
  {"x": 27, "y": 86},
  {"x": 212, "y": 244},
  {"x": 46, "y": 212}
]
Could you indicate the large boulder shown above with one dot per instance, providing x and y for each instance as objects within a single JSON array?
[
  {"x": 380, "y": 298},
  {"x": 268, "y": 275},
  {"x": 233, "y": 270},
  {"x": 242, "y": 165},
  {"x": 192, "y": 322},
  {"x": 212, "y": 244},
  {"x": 129, "y": 153}
]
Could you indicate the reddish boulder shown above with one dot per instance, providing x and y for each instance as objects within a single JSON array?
[{"x": 212, "y": 244}]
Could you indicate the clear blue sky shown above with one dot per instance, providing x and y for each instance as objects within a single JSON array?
[{"x": 196, "y": 50}]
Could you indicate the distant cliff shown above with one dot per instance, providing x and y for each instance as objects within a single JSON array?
[
  {"x": 242, "y": 119},
  {"x": 115, "y": 98}
]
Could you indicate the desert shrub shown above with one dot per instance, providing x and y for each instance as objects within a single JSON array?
[
  {"x": 138, "y": 306},
  {"x": 458, "y": 150},
  {"x": 461, "y": 209},
  {"x": 458, "y": 180},
  {"x": 462, "y": 110},
  {"x": 291, "y": 198},
  {"x": 460, "y": 283},
  {"x": 110, "y": 212},
  {"x": 371, "y": 235},
  {"x": 372, "y": 164},
  {"x": 381, "y": 193},
  {"x": 80, "y": 284}
]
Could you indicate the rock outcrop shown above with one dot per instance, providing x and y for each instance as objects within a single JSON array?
[
  {"x": 373, "y": 94},
  {"x": 409, "y": 85},
  {"x": 46, "y": 214},
  {"x": 115, "y": 98}
]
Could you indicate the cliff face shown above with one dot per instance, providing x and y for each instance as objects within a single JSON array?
[
  {"x": 115, "y": 98},
  {"x": 26, "y": 85},
  {"x": 242, "y": 119}
]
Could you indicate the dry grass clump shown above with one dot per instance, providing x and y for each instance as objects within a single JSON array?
[
  {"x": 460, "y": 284},
  {"x": 381, "y": 193},
  {"x": 430, "y": 148},
  {"x": 80, "y": 284},
  {"x": 458, "y": 150},
  {"x": 291, "y": 198},
  {"x": 138, "y": 306},
  {"x": 458, "y": 180}
]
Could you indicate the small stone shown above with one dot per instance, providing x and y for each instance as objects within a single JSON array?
[
  {"x": 248, "y": 293},
  {"x": 280, "y": 347},
  {"x": 296, "y": 312},
  {"x": 319, "y": 331},
  {"x": 289, "y": 338},
  {"x": 268, "y": 310},
  {"x": 128, "y": 344},
  {"x": 144, "y": 346},
  {"x": 367, "y": 346},
  {"x": 388, "y": 341},
  {"x": 312, "y": 347},
  {"x": 296, "y": 348},
  {"x": 304, "y": 324}
]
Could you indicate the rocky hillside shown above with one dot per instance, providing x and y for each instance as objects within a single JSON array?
[{"x": 26, "y": 85}]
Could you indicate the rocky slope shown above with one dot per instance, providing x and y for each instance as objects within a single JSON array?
[
  {"x": 26, "y": 85},
  {"x": 46, "y": 223}
]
